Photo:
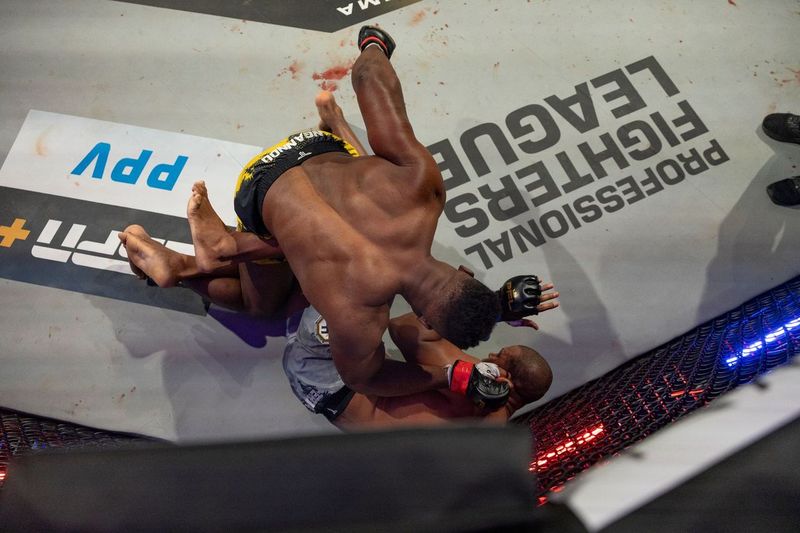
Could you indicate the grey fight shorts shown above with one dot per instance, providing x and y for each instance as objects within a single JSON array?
[{"x": 309, "y": 366}]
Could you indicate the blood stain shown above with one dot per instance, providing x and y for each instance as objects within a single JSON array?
[
  {"x": 292, "y": 69},
  {"x": 329, "y": 77}
]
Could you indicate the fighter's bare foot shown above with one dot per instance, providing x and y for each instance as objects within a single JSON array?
[
  {"x": 331, "y": 119},
  {"x": 330, "y": 114},
  {"x": 212, "y": 241},
  {"x": 150, "y": 258}
]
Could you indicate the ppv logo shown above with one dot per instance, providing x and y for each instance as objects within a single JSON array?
[
  {"x": 129, "y": 169},
  {"x": 73, "y": 245}
]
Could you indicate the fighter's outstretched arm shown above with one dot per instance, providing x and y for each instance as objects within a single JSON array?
[{"x": 423, "y": 345}]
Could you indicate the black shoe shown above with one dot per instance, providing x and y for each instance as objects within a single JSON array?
[
  {"x": 784, "y": 127},
  {"x": 785, "y": 192}
]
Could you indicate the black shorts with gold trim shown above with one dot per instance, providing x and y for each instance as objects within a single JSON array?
[{"x": 265, "y": 168}]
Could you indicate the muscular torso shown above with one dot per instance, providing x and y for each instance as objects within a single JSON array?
[{"x": 350, "y": 228}]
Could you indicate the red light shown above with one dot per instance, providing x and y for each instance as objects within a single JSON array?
[
  {"x": 694, "y": 393},
  {"x": 571, "y": 445}
]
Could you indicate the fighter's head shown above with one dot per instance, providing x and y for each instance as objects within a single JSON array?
[
  {"x": 530, "y": 375},
  {"x": 466, "y": 312}
]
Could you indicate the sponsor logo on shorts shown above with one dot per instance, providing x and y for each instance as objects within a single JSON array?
[
  {"x": 73, "y": 245},
  {"x": 303, "y": 154},
  {"x": 326, "y": 15},
  {"x": 290, "y": 144},
  {"x": 321, "y": 331},
  {"x": 311, "y": 396}
]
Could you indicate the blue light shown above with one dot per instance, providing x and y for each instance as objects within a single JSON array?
[{"x": 769, "y": 338}]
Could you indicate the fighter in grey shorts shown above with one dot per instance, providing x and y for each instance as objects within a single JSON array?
[
  {"x": 309, "y": 366},
  {"x": 314, "y": 380}
]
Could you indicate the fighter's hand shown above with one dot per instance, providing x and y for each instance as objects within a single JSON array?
[
  {"x": 483, "y": 383},
  {"x": 547, "y": 298},
  {"x": 523, "y": 296},
  {"x": 547, "y": 302}
]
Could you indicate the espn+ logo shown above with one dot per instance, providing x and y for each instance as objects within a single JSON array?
[
  {"x": 129, "y": 169},
  {"x": 73, "y": 244}
]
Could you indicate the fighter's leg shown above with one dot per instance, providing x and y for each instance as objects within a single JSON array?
[
  {"x": 270, "y": 290},
  {"x": 380, "y": 99},
  {"x": 331, "y": 118},
  {"x": 211, "y": 238},
  {"x": 214, "y": 244},
  {"x": 222, "y": 291},
  {"x": 167, "y": 268},
  {"x": 271, "y": 296},
  {"x": 149, "y": 258}
]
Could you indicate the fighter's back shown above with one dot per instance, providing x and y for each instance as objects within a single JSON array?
[
  {"x": 392, "y": 206},
  {"x": 340, "y": 217}
]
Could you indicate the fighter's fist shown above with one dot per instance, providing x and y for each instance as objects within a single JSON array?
[
  {"x": 519, "y": 297},
  {"x": 373, "y": 35},
  {"x": 478, "y": 382}
]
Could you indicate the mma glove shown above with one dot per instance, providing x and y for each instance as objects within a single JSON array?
[
  {"x": 373, "y": 35},
  {"x": 519, "y": 297},
  {"x": 478, "y": 382}
]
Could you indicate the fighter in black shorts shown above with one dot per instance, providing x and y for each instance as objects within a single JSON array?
[{"x": 262, "y": 171}]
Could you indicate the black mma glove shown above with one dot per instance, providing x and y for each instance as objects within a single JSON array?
[
  {"x": 478, "y": 382},
  {"x": 373, "y": 35},
  {"x": 519, "y": 297}
]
